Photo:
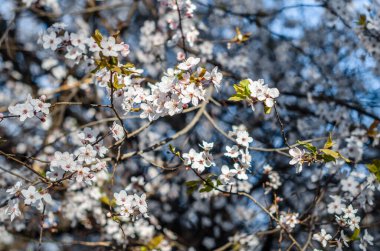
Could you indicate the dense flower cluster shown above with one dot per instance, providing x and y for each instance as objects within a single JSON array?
[
  {"x": 83, "y": 164},
  {"x": 85, "y": 175},
  {"x": 274, "y": 180},
  {"x": 199, "y": 161},
  {"x": 179, "y": 87},
  {"x": 186, "y": 9},
  {"x": 131, "y": 206},
  {"x": 79, "y": 46},
  {"x": 31, "y": 108},
  {"x": 261, "y": 92},
  {"x": 288, "y": 220},
  {"x": 32, "y": 197}
]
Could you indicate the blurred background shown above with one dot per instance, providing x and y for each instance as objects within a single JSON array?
[{"x": 323, "y": 56}]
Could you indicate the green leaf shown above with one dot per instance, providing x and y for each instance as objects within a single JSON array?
[
  {"x": 362, "y": 20},
  {"x": 116, "y": 69},
  {"x": 218, "y": 182},
  {"x": 207, "y": 188},
  {"x": 355, "y": 235},
  {"x": 192, "y": 183},
  {"x": 242, "y": 91},
  {"x": 105, "y": 200},
  {"x": 374, "y": 168},
  {"x": 155, "y": 242},
  {"x": 171, "y": 148},
  {"x": 329, "y": 143},
  {"x": 267, "y": 109},
  {"x": 129, "y": 65},
  {"x": 328, "y": 158},
  {"x": 116, "y": 84},
  {"x": 308, "y": 146},
  {"x": 238, "y": 88},
  {"x": 237, "y": 97},
  {"x": 331, "y": 153},
  {"x": 344, "y": 158},
  {"x": 97, "y": 36},
  {"x": 244, "y": 82},
  {"x": 245, "y": 86},
  {"x": 114, "y": 61},
  {"x": 190, "y": 190}
]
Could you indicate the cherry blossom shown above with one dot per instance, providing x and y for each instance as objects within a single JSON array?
[
  {"x": 117, "y": 131},
  {"x": 323, "y": 237},
  {"x": 110, "y": 47},
  {"x": 31, "y": 195},
  {"x": 297, "y": 158},
  {"x": 178, "y": 75},
  {"x": 13, "y": 209},
  {"x": 15, "y": 189},
  {"x": 189, "y": 63},
  {"x": 227, "y": 174},
  {"x": 51, "y": 41}
]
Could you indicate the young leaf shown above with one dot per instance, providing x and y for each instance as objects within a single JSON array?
[
  {"x": 207, "y": 188},
  {"x": 329, "y": 143},
  {"x": 355, "y": 235},
  {"x": 155, "y": 242},
  {"x": 267, "y": 109},
  {"x": 331, "y": 153},
  {"x": 192, "y": 183},
  {"x": 308, "y": 146},
  {"x": 362, "y": 21},
  {"x": 374, "y": 168},
  {"x": 344, "y": 158},
  {"x": 97, "y": 36},
  {"x": 237, "y": 97}
]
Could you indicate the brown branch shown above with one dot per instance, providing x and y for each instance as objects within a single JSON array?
[
  {"x": 9, "y": 156},
  {"x": 281, "y": 126},
  {"x": 181, "y": 28}
]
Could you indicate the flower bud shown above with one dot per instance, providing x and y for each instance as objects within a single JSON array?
[{"x": 43, "y": 98}]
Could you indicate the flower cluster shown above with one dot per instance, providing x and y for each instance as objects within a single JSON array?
[
  {"x": 241, "y": 136},
  {"x": 239, "y": 154},
  {"x": 77, "y": 45},
  {"x": 177, "y": 89},
  {"x": 83, "y": 164},
  {"x": 355, "y": 144},
  {"x": 199, "y": 160},
  {"x": 288, "y": 220},
  {"x": 31, "y": 108},
  {"x": 131, "y": 206},
  {"x": 348, "y": 218},
  {"x": 32, "y": 197},
  {"x": 261, "y": 92},
  {"x": 117, "y": 131},
  {"x": 184, "y": 5},
  {"x": 245, "y": 241},
  {"x": 366, "y": 240},
  {"x": 186, "y": 9},
  {"x": 125, "y": 82},
  {"x": 323, "y": 237},
  {"x": 254, "y": 92},
  {"x": 274, "y": 181},
  {"x": 297, "y": 158}
]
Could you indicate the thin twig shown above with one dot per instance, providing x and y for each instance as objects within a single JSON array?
[
  {"x": 41, "y": 228},
  {"x": 8, "y": 156},
  {"x": 281, "y": 126},
  {"x": 181, "y": 28}
]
